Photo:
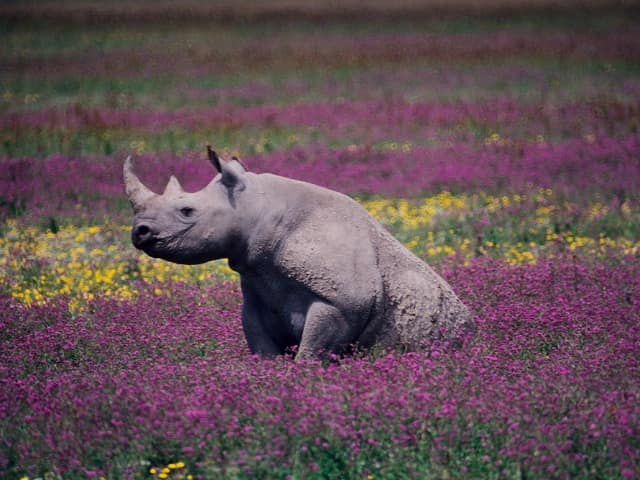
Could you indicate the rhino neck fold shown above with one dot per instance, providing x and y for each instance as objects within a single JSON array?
[
  {"x": 237, "y": 253},
  {"x": 260, "y": 247},
  {"x": 276, "y": 210}
]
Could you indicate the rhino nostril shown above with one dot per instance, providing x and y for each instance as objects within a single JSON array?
[
  {"x": 142, "y": 231},
  {"x": 141, "y": 235}
]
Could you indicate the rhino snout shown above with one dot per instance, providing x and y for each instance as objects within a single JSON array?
[{"x": 142, "y": 235}]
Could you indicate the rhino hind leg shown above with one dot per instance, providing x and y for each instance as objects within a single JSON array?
[
  {"x": 326, "y": 331},
  {"x": 424, "y": 308}
]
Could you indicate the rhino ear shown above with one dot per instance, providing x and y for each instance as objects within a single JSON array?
[
  {"x": 214, "y": 158},
  {"x": 232, "y": 172},
  {"x": 233, "y": 175}
]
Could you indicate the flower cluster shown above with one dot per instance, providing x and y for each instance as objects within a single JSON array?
[
  {"x": 85, "y": 262},
  {"x": 172, "y": 470},
  {"x": 90, "y": 189},
  {"x": 538, "y": 390}
]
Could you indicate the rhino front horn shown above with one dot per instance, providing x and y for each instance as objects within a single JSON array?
[{"x": 137, "y": 192}]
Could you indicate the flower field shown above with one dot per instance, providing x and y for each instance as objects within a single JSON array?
[{"x": 503, "y": 148}]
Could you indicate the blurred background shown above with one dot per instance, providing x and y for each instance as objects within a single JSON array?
[{"x": 91, "y": 59}]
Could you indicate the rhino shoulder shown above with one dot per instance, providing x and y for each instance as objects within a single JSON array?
[{"x": 332, "y": 252}]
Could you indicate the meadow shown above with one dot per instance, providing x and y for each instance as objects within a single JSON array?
[{"x": 501, "y": 147}]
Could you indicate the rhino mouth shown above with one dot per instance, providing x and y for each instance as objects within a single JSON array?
[
  {"x": 170, "y": 249},
  {"x": 160, "y": 249},
  {"x": 161, "y": 245},
  {"x": 145, "y": 239},
  {"x": 151, "y": 249},
  {"x": 142, "y": 234}
]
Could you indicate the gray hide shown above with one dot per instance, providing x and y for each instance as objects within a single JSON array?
[{"x": 316, "y": 269}]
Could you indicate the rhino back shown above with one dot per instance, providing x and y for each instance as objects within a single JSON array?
[{"x": 419, "y": 304}]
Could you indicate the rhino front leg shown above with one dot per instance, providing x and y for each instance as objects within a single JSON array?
[
  {"x": 253, "y": 323},
  {"x": 326, "y": 330}
]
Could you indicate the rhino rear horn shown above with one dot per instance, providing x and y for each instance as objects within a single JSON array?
[
  {"x": 137, "y": 192},
  {"x": 173, "y": 188}
]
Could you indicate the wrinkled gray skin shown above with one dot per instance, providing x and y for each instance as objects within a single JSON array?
[{"x": 316, "y": 269}]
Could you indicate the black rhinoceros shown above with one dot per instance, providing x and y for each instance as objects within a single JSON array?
[{"x": 316, "y": 270}]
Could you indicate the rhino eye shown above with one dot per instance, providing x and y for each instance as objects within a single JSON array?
[{"x": 187, "y": 211}]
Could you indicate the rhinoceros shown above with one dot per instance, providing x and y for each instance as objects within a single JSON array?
[{"x": 317, "y": 271}]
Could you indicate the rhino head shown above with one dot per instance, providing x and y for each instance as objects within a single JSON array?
[{"x": 189, "y": 227}]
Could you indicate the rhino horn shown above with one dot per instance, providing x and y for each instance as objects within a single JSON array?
[
  {"x": 135, "y": 189},
  {"x": 173, "y": 188}
]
